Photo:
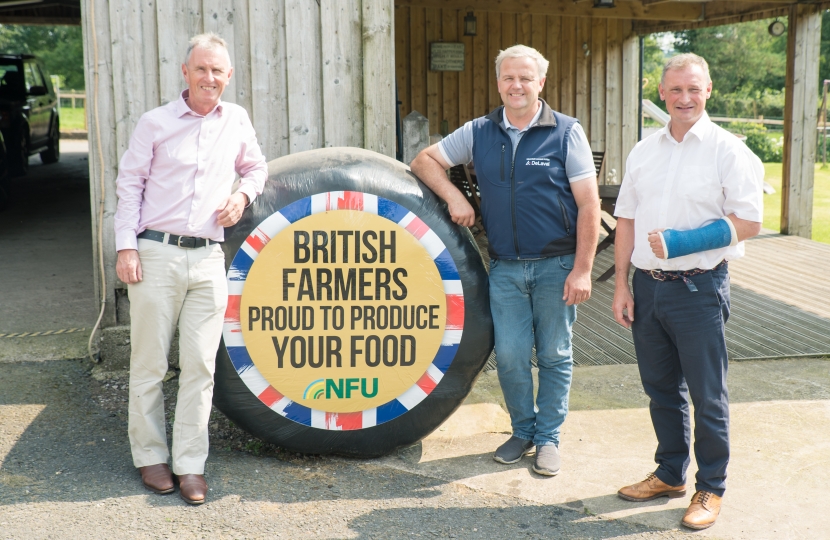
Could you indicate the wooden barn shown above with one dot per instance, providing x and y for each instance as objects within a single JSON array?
[{"x": 316, "y": 73}]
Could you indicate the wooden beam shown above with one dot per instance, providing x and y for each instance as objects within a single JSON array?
[
  {"x": 42, "y": 21},
  {"x": 721, "y": 10},
  {"x": 103, "y": 159},
  {"x": 717, "y": 18},
  {"x": 305, "y": 94},
  {"x": 378, "y": 76},
  {"x": 554, "y": 44},
  {"x": 630, "y": 93},
  {"x": 449, "y": 79},
  {"x": 269, "y": 83},
  {"x": 432, "y": 26},
  {"x": 613, "y": 105},
  {"x": 800, "y": 120},
  {"x": 342, "y": 53},
  {"x": 598, "y": 30},
  {"x": 483, "y": 75},
  {"x": 679, "y": 11},
  {"x": 712, "y": 2},
  {"x": 418, "y": 63}
]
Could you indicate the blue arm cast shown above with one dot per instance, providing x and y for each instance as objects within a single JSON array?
[{"x": 715, "y": 235}]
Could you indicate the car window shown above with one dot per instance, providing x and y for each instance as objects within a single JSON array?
[
  {"x": 32, "y": 75},
  {"x": 11, "y": 83}
]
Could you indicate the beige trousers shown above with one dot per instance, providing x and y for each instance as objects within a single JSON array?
[{"x": 188, "y": 287}]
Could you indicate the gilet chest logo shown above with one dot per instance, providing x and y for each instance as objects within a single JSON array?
[{"x": 538, "y": 162}]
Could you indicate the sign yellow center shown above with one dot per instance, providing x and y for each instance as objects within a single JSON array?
[{"x": 343, "y": 311}]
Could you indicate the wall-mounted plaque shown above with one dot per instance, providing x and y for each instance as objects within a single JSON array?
[{"x": 446, "y": 56}]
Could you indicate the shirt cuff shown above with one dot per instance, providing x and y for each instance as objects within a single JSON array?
[
  {"x": 444, "y": 154},
  {"x": 583, "y": 176},
  {"x": 125, "y": 240},
  {"x": 250, "y": 192}
]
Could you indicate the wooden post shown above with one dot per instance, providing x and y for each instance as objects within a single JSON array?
[
  {"x": 379, "y": 76},
  {"x": 800, "y": 120},
  {"x": 630, "y": 93},
  {"x": 103, "y": 159},
  {"x": 613, "y": 105}
]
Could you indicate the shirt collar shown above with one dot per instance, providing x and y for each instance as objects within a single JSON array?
[
  {"x": 533, "y": 121},
  {"x": 699, "y": 130},
  {"x": 182, "y": 108}
]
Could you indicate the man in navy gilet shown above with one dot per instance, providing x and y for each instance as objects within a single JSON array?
[{"x": 540, "y": 209}]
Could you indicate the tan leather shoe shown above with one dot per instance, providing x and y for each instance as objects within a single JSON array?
[
  {"x": 649, "y": 489},
  {"x": 157, "y": 478},
  {"x": 703, "y": 510},
  {"x": 192, "y": 488}
]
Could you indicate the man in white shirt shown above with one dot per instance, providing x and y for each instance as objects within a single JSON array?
[{"x": 691, "y": 195}]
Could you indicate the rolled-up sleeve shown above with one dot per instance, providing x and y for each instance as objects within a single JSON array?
[
  {"x": 457, "y": 147},
  {"x": 133, "y": 171},
  {"x": 250, "y": 163},
  {"x": 742, "y": 175}
]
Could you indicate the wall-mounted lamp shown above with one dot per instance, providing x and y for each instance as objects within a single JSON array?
[
  {"x": 470, "y": 24},
  {"x": 604, "y": 4}
]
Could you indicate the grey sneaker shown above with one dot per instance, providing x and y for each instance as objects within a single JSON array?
[
  {"x": 513, "y": 450},
  {"x": 547, "y": 460}
]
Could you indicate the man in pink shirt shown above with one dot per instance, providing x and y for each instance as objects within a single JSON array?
[{"x": 175, "y": 197}]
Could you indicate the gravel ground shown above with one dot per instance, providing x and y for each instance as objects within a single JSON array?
[{"x": 66, "y": 472}]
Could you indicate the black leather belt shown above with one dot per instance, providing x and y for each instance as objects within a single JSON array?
[{"x": 176, "y": 240}]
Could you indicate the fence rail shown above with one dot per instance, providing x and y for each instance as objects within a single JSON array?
[{"x": 72, "y": 97}]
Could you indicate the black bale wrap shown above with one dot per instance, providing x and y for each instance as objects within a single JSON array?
[{"x": 301, "y": 175}]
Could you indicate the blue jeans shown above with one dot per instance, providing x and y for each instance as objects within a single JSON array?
[{"x": 527, "y": 306}]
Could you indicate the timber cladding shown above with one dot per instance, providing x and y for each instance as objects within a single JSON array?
[
  {"x": 310, "y": 73},
  {"x": 593, "y": 73}
]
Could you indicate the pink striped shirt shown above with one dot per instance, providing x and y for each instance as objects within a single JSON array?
[{"x": 180, "y": 167}]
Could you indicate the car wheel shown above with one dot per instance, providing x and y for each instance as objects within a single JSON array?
[
  {"x": 346, "y": 192},
  {"x": 52, "y": 154},
  {"x": 19, "y": 154}
]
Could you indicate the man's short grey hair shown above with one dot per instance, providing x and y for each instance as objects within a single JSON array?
[
  {"x": 208, "y": 41},
  {"x": 685, "y": 60},
  {"x": 523, "y": 51}
]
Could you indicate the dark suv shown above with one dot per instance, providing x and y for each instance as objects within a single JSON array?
[{"x": 29, "y": 117}]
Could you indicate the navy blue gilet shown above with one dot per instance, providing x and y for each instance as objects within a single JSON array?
[{"x": 527, "y": 206}]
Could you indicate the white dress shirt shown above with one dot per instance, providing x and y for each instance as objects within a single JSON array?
[{"x": 687, "y": 185}]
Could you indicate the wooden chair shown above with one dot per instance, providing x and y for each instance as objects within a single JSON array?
[{"x": 608, "y": 200}]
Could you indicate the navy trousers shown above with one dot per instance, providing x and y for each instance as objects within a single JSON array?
[{"x": 681, "y": 352}]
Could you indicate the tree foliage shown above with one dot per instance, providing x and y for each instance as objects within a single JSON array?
[
  {"x": 60, "y": 48},
  {"x": 748, "y": 67}
]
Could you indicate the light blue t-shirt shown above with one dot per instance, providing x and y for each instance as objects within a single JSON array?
[{"x": 457, "y": 147}]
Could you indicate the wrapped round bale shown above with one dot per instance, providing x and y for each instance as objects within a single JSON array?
[{"x": 358, "y": 313}]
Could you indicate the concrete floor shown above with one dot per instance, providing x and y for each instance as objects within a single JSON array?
[
  {"x": 46, "y": 258},
  {"x": 778, "y": 475}
]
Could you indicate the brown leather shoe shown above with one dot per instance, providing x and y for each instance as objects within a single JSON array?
[
  {"x": 649, "y": 489},
  {"x": 703, "y": 510},
  {"x": 157, "y": 478},
  {"x": 192, "y": 488}
]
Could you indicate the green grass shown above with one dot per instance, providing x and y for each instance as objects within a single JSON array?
[
  {"x": 72, "y": 118},
  {"x": 821, "y": 201}
]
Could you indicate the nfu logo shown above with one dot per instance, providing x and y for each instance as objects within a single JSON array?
[
  {"x": 538, "y": 162},
  {"x": 340, "y": 388}
]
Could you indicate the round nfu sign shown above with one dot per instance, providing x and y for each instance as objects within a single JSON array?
[{"x": 344, "y": 311}]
